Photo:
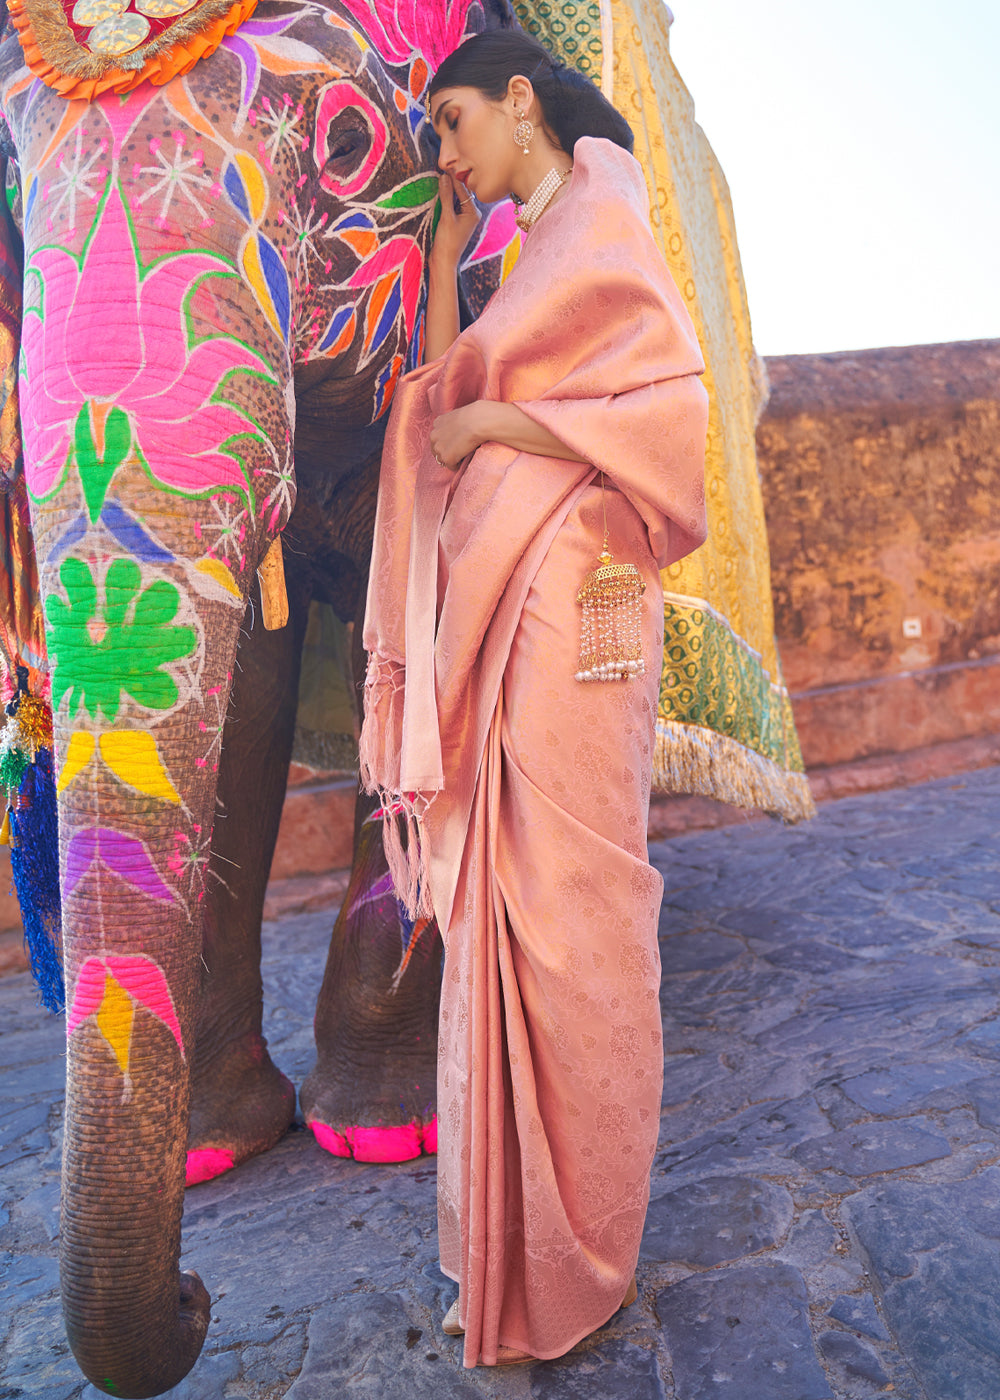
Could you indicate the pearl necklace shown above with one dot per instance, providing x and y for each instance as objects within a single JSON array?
[{"x": 541, "y": 198}]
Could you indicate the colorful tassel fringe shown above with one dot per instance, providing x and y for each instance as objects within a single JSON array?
[
  {"x": 31, "y": 830},
  {"x": 34, "y": 859}
]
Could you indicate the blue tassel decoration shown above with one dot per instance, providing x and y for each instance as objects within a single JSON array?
[{"x": 34, "y": 859}]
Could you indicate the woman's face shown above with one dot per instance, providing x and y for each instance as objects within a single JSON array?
[{"x": 477, "y": 146}]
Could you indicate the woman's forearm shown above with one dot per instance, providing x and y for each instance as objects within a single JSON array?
[
  {"x": 442, "y": 323},
  {"x": 506, "y": 423}
]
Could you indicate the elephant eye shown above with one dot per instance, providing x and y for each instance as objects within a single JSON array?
[{"x": 348, "y": 141}]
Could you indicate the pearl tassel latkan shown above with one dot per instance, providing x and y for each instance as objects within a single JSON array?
[{"x": 611, "y": 625}]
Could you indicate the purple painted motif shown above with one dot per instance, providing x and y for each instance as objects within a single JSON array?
[{"x": 125, "y": 856}]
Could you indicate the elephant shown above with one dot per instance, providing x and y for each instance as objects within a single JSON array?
[{"x": 223, "y": 279}]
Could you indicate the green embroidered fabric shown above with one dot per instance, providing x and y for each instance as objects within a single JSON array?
[
  {"x": 712, "y": 678},
  {"x": 571, "y": 29}
]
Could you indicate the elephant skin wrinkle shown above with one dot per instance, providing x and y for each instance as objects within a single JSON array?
[
  {"x": 206, "y": 1163},
  {"x": 399, "y": 1144}
]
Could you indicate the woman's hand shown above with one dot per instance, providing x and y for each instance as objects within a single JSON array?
[
  {"x": 453, "y": 233},
  {"x": 453, "y": 230},
  {"x": 457, "y": 434}
]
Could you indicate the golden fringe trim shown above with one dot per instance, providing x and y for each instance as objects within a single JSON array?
[
  {"x": 690, "y": 759},
  {"x": 52, "y": 53}
]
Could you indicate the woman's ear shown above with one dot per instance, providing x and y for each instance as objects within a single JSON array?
[{"x": 521, "y": 92}]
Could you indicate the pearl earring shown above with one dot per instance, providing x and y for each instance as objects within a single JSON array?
[{"x": 523, "y": 132}]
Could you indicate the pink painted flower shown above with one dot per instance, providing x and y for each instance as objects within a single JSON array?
[
  {"x": 399, "y": 29},
  {"x": 135, "y": 974},
  {"x": 101, "y": 329}
]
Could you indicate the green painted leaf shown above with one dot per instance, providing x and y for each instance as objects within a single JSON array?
[
  {"x": 96, "y": 472},
  {"x": 411, "y": 195},
  {"x": 130, "y": 655}
]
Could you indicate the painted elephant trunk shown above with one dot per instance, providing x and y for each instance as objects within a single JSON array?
[
  {"x": 159, "y": 472},
  {"x": 132, "y": 951},
  {"x": 135, "y": 1324}
]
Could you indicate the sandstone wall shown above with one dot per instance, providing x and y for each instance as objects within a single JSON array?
[{"x": 881, "y": 477}]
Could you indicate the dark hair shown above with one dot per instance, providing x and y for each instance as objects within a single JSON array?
[{"x": 571, "y": 104}]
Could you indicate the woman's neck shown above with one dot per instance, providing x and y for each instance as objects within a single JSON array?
[{"x": 541, "y": 158}]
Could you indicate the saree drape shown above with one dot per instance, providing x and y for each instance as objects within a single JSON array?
[
  {"x": 531, "y": 788},
  {"x": 724, "y": 724}
]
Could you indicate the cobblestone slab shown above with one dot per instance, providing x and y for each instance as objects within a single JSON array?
[
  {"x": 742, "y": 1334},
  {"x": 934, "y": 1253},
  {"x": 825, "y": 1204},
  {"x": 716, "y": 1220}
]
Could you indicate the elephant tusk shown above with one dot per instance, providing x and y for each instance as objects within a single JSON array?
[{"x": 274, "y": 599}]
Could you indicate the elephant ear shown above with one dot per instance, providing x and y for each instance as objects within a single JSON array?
[{"x": 79, "y": 50}]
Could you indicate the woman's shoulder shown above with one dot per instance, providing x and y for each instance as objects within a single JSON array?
[{"x": 602, "y": 169}]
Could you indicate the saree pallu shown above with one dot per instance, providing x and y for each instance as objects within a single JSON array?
[{"x": 532, "y": 789}]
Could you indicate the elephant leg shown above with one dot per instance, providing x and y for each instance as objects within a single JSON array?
[
  {"x": 241, "y": 1103},
  {"x": 372, "y": 1092}
]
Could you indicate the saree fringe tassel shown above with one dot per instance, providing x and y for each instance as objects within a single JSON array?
[
  {"x": 407, "y": 860},
  {"x": 701, "y": 763}
]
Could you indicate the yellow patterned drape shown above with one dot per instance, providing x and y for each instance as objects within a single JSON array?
[{"x": 725, "y": 726}]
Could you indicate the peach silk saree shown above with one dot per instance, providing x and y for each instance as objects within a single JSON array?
[{"x": 531, "y": 789}]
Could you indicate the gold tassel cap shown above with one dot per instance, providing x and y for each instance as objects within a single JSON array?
[{"x": 611, "y": 625}]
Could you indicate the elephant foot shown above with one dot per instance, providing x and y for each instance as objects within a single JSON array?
[
  {"x": 400, "y": 1144},
  {"x": 240, "y": 1108},
  {"x": 350, "y": 1124},
  {"x": 371, "y": 1093}
]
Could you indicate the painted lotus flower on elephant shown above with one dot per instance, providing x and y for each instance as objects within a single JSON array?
[
  {"x": 399, "y": 28},
  {"x": 135, "y": 371},
  {"x": 97, "y": 654}
]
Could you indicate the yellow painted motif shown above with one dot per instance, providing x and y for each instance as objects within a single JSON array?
[
  {"x": 132, "y": 756},
  {"x": 215, "y": 569},
  {"x": 79, "y": 752},
  {"x": 356, "y": 35},
  {"x": 511, "y": 254},
  {"x": 114, "y": 1020},
  {"x": 255, "y": 276},
  {"x": 253, "y": 183}
]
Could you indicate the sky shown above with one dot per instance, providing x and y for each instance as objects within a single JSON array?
[{"x": 861, "y": 142}]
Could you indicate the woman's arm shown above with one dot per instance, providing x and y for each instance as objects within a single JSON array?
[
  {"x": 456, "y": 434},
  {"x": 453, "y": 233}
]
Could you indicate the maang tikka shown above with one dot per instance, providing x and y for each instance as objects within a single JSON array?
[
  {"x": 611, "y": 624},
  {"x": 523, "y": 132}
]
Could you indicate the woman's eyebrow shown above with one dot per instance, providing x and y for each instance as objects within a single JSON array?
[{"x": 437, "y": 115}]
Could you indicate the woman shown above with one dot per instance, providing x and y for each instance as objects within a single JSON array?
[{"x": 574, "y": 398}]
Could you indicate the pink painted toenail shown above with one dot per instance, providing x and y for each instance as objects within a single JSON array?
[
  {"x": 333, "y": 1141},
  {"x": 386, "y": 1144},
  {"x": 204, "y": 1163},
  {"x": 400, "y": 1144}
]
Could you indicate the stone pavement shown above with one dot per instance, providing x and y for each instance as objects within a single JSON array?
[{"x": 826, "y": 1200}]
